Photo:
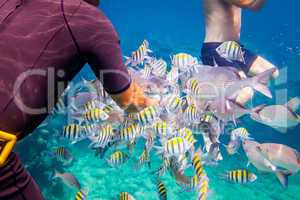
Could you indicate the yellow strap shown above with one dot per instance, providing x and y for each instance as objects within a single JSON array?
[{"x": 10, "y": 141}]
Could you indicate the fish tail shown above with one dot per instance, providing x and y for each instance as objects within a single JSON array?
[
  {"x": 283, "y": 178},
  {"x": 260, "y": 82},
  {"x": 128, "y": 60}
]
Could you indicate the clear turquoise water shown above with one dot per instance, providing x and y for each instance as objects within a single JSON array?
[{"x": 172, "y": 27}]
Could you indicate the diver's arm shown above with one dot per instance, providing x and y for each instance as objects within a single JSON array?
[
  {"x": 100, "y": 44},
  {"x": 249, "y": 4}
]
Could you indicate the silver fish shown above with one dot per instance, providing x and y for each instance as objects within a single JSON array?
[
  {"x": 281, "y": 156},
  {"x": 261, "y": 163},
  {"x": 279, "y": 117},
  {"x": 68, "y": 178}
]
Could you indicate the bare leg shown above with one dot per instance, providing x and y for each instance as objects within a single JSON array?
[
  {"x": 245, "y": 95},
  {"x": 260, "y": 65}
]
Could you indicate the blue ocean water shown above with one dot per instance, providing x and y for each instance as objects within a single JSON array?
[{"x": 172, "y": 27}]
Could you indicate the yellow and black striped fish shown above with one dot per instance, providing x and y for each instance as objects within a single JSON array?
[
  {"x": 183, "y": 60},
  {"x": 148, "y": 115},
  {"x": 174, "y": 104},
  {"x": 95, "y": 115},
  {"x": 193, "y": 86},
  {"x": 203, "y": 189},
  {"x": 63, "y": 154},
  {"x": 73, "y": 132},
  {"x": 92, "y": 104},
  {"x": 130, "y": 133},
  {"x": 162, "y": 190},
  {"x": 117, "y": 158},
  {"x": 198, "y": 166},
  {"x": 241, "y": 133},
  {"x": 103, "y": 138},
  {"x": 159, "y": 67},
  {"x": 140, "y": 55},
  {"x": 108, "y": 108},
  {"x": 81, "y": 195},
  {"x": 187, "y": 135},
  {"x": 143, "y": 159},
  {"x": 175, "y": 147},
  {"x": 125, "y": 196},
  {"x": 191, "y": 114},
  {"x": 231, "y": 51},
  {"x": 164, "y": 129},
  {"x": 241, "y": 176}
]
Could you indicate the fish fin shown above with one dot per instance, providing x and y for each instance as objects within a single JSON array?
[
  {"x": 149, "y": 51},
  {"x": 293, "y": 104},
  {"x": 281, "y": 129},
  {"x": 255, "y": 111},
  {"x": 260, "y": 82},
  {"x": 248, "y": 164},
  {"x": 283, "y": 178},
  {"x": 160, "y": 150},
  {"x": 128, "y": 60}
]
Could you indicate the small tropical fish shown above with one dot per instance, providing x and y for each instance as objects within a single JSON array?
[
  {"x": 63, "y": 155},
  {"x": 148, "y": 115},
  {"x": 231, "y": 51},
  {"x": 173, "y": 75},
  {"x": 198, "y": 166},
  {"x": 193, "y": 87},
  {"x": 187, "y": 135},
  {"x": 81, "y": 195},
  {"x": 147, "y": 71},
  {"x": 140, "y": 55},
  {"x": 174, "y": 147},
  {"x": 92, "y": 104},
  {"x": 241, "y": 133},
  {"x": 125, "y": 196},
  {"x": 203, "y": 189},
  {"x": 164, "y": 129},
  {"x": 91, "y": 129},
  {"x": 162, "y": 190},
  {"x": 241, "y": 176},
  {"x": 103, "y": 138},
  {"x": 95, "y": 115},
  {"x": 173, "y": 104},
  {"x": 183, "y": 60},
  {"x": 68, "y": 178},
  {"x": 143, "y": 159},
  {"x": 117, "y": 158},
  {"x": 130, "y": 133},
  {"x": 73, "y": 132},
  {"x": 191, "y": 114},
  {"x": 159, "y": 67}
]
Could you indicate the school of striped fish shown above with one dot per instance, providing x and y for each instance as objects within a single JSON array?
[{"x": 184, "y": 129}]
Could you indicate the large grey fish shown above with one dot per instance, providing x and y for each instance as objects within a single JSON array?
[
  {"x": 68, "y": 178},
  {"x": 224, "y": 82},
  {"x": 263, "y": 164},
  {"x": 281, "y": 156},
  {"x": 279, "y": 117}
]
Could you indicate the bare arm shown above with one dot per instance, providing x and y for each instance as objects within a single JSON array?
[{"x": 249, "y": 4}]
